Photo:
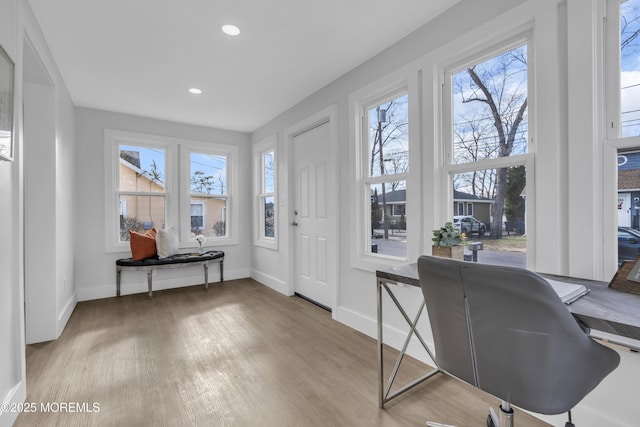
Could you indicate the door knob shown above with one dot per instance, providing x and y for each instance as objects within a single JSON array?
[{"x": 295, "y": 224}]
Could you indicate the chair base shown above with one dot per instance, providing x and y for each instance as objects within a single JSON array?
[{"x": 503, "y": 419}]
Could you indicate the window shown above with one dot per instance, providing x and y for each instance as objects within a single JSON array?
[
  {"x": 265, "y": 170},
  {"x": 487, "y": 151},
  {"x": 386, "y": 156},
  {"x": 208, "y": 191},
  {"x": 144, "y": 190},
  {"x": 141, "y": 191},
  {"x": 267, "y": 199},
  {"x": 623, "y": 78}
]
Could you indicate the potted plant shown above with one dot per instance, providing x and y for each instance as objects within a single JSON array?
[{"x": 448, "y": 242}]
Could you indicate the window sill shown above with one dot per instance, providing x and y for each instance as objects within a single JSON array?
[
  {"x": 372, "y": 263},
  {"x": 267, "y": 244}
]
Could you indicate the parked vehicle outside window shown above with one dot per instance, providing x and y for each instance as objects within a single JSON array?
[
  {"x": 469, "y": 225},
  {"x": 628, "y": 244}
]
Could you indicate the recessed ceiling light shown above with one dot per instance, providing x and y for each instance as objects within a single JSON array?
[
  {"x": 230, "y": 30},
  {"x": 195, "y": 91}
]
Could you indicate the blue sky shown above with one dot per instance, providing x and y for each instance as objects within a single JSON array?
[
  {"x": 630, "y": 69},
  {"x": 211, "y": 165}
]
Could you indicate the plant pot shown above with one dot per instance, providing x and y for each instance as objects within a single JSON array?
[{"x": 456, "y": 252}]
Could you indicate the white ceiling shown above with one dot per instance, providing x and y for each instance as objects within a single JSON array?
[{"x": 141, "y": 56}]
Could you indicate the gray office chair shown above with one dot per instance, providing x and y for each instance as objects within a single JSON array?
[{"x": 505, "y": 331}]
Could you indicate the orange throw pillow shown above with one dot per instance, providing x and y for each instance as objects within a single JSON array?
[{"x": 143, "y": 245}]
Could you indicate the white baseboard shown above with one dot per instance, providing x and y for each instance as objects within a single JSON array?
[
  {"x": 15, "y": 396},
  {"x": 392, "y": 336},
  {"x": 131, "y": 284},
  {"x": 271, "y": 282},
  {"x": 65, "y": 314}
]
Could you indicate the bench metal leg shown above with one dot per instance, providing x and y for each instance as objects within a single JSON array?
[
  {"x": 118, "y": 282},
  {"x": 206, "y": 276},
  {"x": 149, "y": 279},
  {"x": 221, "y": 270}
]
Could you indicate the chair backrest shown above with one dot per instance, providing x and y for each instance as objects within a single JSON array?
[{"x": 505, "y": 331}]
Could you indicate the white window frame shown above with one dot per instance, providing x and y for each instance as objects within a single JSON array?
[
  {"x": 403, "y": 80},
  {"x": 449, "y": 169},
  {"x": 260, "y": 195},
  {"x": 368, "y": 181},
  {"x": 113, "y": 140},
  {"x": 177, "y": 186},
  {"x": 231, "y": 214}
]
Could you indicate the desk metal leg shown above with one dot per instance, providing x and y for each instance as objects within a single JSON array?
[
  {"x": 384, "y": 395},
  {"x": 206, "y": 276},
  {"x": 118, "y": 282},
  {"x": 149, "y": 281}
]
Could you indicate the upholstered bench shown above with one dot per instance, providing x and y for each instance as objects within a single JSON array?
[{"x": 175, "y": 261}]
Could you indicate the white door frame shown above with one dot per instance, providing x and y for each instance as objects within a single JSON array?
[{"x": 328, "y": 115}]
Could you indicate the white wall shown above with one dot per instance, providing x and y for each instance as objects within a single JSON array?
[
  {"x": 95, "y": 269},
  {"x": 566, "y": 158},
  {"x": 12, "y": 369},
  {"x": 17, "y": 24},
  {"x": 48, "y": 148}
]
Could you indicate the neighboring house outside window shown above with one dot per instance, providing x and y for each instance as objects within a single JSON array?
[
  {"x": 141, "y": 191},
  {"x": 467, "y": 204}
]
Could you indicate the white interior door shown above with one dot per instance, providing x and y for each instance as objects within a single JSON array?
[{"x": 310, "y": 158}]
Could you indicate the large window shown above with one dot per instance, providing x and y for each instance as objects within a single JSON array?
[
  {"x": 143, "y": 188},
  {"x": 487, "y": 152},
  {"x": 386, "y": 156}
]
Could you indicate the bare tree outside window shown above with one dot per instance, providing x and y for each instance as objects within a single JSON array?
[
  {"x": 490, "y": 121},
  {"x": 388, "y": 161}
]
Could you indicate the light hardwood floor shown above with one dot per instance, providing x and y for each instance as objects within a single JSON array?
[{"x": 239, "y": 354}]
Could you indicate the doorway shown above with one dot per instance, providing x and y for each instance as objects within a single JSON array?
[{"x": 41, "y": 320}]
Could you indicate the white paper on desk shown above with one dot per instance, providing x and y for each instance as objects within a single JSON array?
[{"x": 568, "y": 292}]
